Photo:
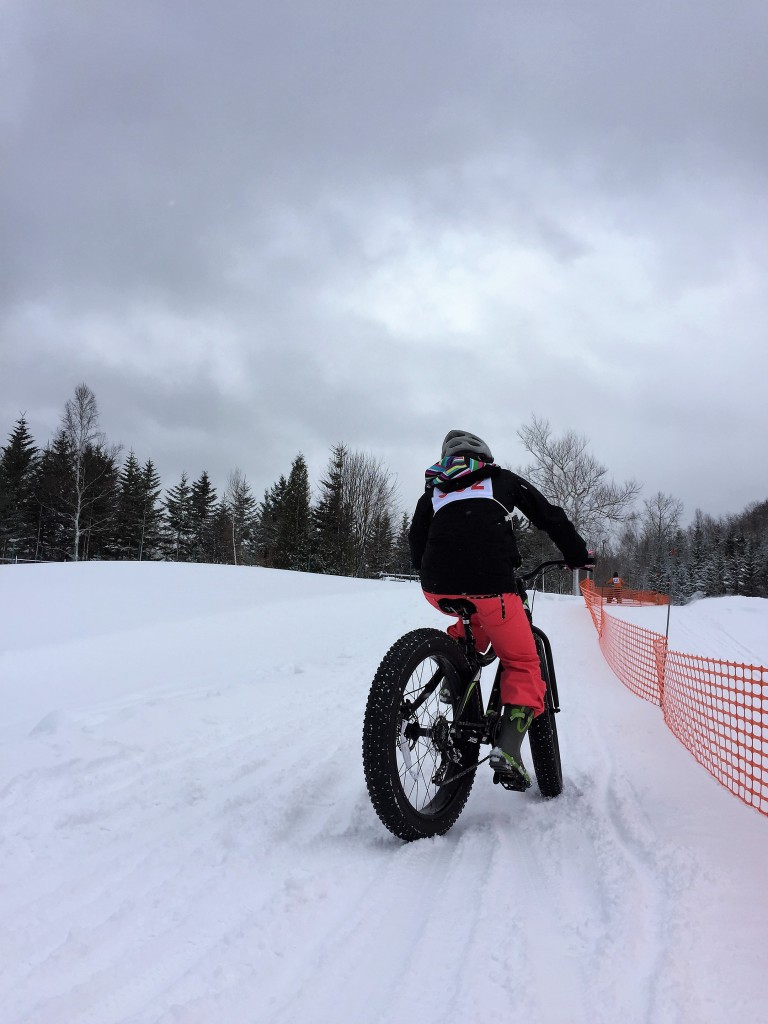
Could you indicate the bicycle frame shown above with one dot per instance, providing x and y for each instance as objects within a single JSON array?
[{"x": 483, "y": 732}]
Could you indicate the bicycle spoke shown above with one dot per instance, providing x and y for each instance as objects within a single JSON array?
[{"x": 420, "y": 758}]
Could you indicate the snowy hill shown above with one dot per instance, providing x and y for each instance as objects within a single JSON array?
[{"x": 187, "y": 838}]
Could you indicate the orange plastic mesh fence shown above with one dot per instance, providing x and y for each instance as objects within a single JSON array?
[
  {"x": 594, "y": 604},
  {"x": 717, "y": 709},
  {"x": 630, "y": 652},
  {"x": 628, "y": 595}
]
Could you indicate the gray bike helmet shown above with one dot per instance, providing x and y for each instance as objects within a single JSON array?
[{"x": 461, "y": 442}]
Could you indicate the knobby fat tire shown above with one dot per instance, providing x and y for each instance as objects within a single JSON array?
[{"x": 381, "y": 733}]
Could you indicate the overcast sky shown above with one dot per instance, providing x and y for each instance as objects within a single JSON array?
[{"x": 257, "y": 228}]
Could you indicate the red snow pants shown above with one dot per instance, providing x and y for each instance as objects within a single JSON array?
[{"x": 501, "y": 621}]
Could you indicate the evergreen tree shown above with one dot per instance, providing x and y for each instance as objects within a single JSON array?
[
  {"x": 332, "y": 519},
  {"x": 220, "y": 550},
  {"x": 700, "y": 579},
  {"x": 241, "y": 508},
  {"x": 679, "y": 583},
  {"x": 267, "y": 523},
  {"x": 381, "y": 544},
  {"x": 178, "y": 521},
  {"x": 100, "y": 504},
  {"x": 138, "y": 520},
  {"x": 748, "y": 571},
  {"x": 151, "y": 512},
  {"x": 54, "y": 490},
  {"x": 18, "y": 508},
  {"x": 203, "y": 506},
  {"x": 293, "y": 549},
  {"x": 401, "y": 552},
  {"x": 715, "y": 578},
  {"x": 128, "y": 520}
]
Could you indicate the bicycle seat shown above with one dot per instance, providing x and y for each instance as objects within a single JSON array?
[{"x": 457, "y": 606}]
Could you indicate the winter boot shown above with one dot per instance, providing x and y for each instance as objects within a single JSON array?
[{"x": 506, "y": 759}]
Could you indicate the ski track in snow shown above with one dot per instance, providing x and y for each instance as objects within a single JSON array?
[{"x": 211, "y": 854}]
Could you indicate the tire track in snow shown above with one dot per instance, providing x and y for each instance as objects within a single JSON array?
[
  {"x": 143, "y": 873},
  {"x": 106, "y": 789},
  {"x": 460, "y": 929},
  {"x": 371, "y": 925},
  {"x": 635, "y": 888}
]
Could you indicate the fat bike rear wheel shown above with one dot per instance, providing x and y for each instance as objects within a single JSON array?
[
  {"x": 542, "y": 735},
  {"x": 409, "y": 754}
]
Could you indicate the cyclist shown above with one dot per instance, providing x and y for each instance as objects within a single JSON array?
[
  {"x": 463, "y": 544},
  {"x": 615, "y": 586}
]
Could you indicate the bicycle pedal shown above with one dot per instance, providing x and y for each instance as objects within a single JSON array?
[{"x": 514, "y": 784}]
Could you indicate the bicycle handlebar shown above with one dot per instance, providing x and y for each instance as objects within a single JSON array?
[{"x": 529, "y": 576}]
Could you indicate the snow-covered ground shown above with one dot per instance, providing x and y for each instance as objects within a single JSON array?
[
  {"x": 727, "y": 628},
  {"x": 186, "y": 836}
]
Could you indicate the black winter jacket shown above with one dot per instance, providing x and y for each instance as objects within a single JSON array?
[{"x": 461, "y": 542}]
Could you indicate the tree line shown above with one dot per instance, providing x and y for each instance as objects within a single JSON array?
[
  {"x": 711, "y": 557},
  {"x": 75, "y": 499},
  {"x": 648, "y": 547}
]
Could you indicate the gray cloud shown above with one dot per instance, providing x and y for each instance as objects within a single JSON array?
[{"x": 259, "y": 229}]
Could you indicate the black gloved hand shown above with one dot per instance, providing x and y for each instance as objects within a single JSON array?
[{"x": 587, "y": 562}]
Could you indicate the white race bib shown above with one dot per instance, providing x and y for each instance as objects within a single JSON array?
[{"x": 482, "y": 489}]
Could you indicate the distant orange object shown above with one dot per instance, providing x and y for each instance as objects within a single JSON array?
[{"x": 616, "y": 584}]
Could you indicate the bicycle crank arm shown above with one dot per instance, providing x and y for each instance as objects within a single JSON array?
[{"x": 460, "y": 775}]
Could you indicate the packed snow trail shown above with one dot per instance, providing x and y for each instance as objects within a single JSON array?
[{"x": 186, "y": 836}]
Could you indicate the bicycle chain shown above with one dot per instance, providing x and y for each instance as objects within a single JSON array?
[{"x": 466, "y": 771}]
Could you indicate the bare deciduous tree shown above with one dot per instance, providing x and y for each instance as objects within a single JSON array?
[
  {"x": 661, "y": 521},
  {"x": 369, "y": 494},
  {"x": 93, "y": 463},
  {"x": 241, "y": 508},
  {"x": 570, "y": 476}
]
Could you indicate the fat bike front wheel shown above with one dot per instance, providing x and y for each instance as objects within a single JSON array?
[{"x": 409, "y": 753}]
